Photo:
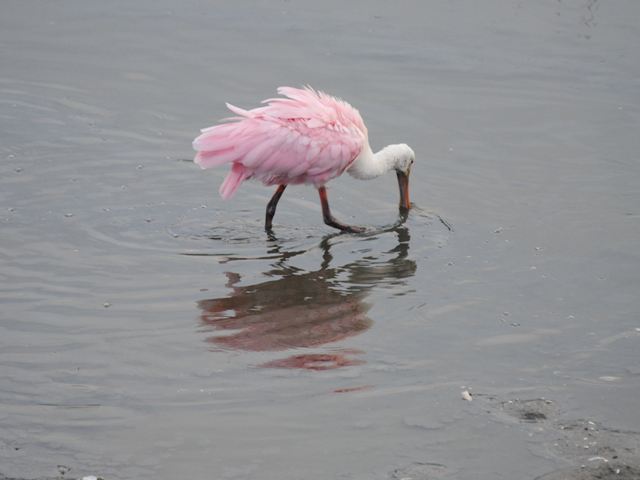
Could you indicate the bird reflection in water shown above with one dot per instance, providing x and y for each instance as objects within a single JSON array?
[{"x": 305, "y": 309}]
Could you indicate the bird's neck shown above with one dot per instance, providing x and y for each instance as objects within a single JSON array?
[{"x": 370, "y": 165}]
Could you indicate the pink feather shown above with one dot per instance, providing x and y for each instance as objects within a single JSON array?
[
  {"x": 308, "y": 137},
  {"x": 233, "y": 181}
]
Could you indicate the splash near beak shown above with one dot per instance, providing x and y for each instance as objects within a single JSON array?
[{"x": 403, "y": 184}]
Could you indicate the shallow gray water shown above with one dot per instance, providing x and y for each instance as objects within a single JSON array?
[{"x": 149, "y": 330}]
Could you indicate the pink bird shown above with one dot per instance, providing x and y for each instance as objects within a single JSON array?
[{"x": 307, "y": 138}]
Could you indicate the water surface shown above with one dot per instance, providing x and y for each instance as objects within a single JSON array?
[{"x": 150, "y": 330}]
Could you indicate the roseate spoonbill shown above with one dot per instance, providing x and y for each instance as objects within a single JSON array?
[{"x": 309, "y": 137}]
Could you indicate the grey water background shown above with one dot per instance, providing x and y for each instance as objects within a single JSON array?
[{"x": 150, "y": 330}]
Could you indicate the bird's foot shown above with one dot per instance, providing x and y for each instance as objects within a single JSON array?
[
  {"x": 354, "y": 229},
  {"x": 332, "y": 222}
]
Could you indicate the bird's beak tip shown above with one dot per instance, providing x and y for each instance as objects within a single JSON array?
[{"x": 403, "y": 184}]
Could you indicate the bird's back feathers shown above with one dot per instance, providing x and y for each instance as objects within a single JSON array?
[{"x": 307, "y": 137}]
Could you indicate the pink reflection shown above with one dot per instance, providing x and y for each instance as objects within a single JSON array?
[
  {"x": 290, "y": 312},
  {"x": 297, "y": 309},
  {"x": 314, "y": 361}
]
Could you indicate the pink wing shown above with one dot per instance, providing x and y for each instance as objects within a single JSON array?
[{"x": 309, "y": 137}]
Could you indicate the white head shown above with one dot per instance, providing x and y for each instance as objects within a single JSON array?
[{"x": 403, "y": 157}]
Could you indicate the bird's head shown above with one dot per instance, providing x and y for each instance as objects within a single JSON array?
[{"x": 404, "y": 157}]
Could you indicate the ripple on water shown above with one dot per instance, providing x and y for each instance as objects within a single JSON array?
[
  {"x": 311, "y": 291},
  {"x": 206, "y": 235}
]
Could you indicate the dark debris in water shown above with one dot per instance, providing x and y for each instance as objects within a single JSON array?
[
  {"x": 589, "y": 441},
  {"x": 604, "y": 471},
  {"x": 533, "y": 416},
  {"x": 597, "y": 452},
  {"x": 532, "y": 411}
]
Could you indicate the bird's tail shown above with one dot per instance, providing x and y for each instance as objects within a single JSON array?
[
  {"x": 232, "y": 182},
  {"x": 215, "y": 146}
]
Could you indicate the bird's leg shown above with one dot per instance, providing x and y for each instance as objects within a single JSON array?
[
  {"x": 271, "y": 207},
  {"x": 328, "y": 218}
]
